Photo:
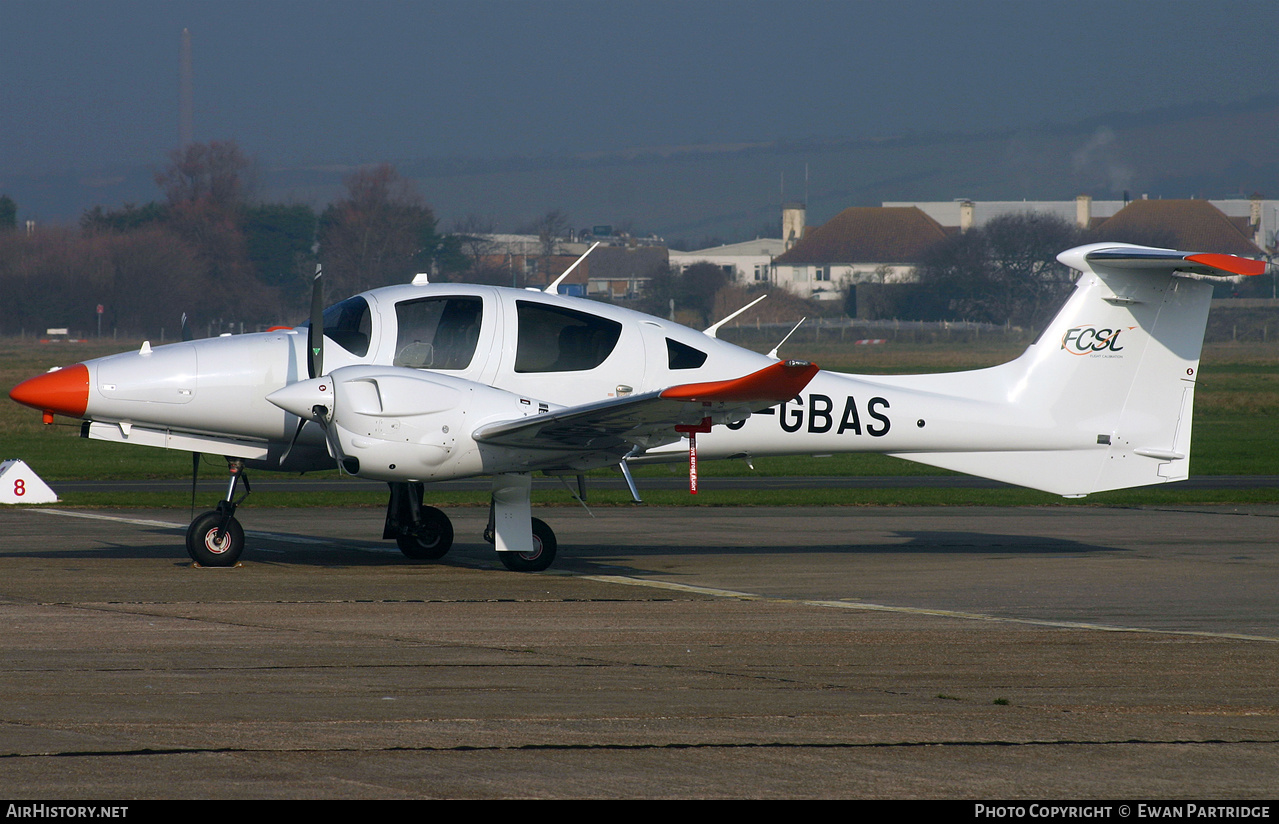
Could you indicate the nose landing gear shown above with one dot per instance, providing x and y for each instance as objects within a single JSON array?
[{"x": 215, "y": 538}]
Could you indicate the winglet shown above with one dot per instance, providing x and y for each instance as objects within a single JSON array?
[{"x": 780, "y": 381}]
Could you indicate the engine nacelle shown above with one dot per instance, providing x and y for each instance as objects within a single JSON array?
[{"x": 403, "y": 424}]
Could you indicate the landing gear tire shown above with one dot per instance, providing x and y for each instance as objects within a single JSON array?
[
  {"x": 206, "y": 550},
  {"x": 540, "y": 558},
  {"x": 433, "y": 538}
]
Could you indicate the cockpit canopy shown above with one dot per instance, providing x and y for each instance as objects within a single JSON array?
[{"x": 349, "y": 324}]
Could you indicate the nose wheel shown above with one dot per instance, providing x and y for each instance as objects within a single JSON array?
[
  {"x": 215, "y": 538},
  {"x": 213, "y": 543}
]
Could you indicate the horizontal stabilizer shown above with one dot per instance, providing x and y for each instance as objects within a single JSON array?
[{"x": 1124, "y": 256}]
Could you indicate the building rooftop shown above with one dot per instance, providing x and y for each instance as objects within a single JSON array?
[
  {"x": 1193, "y": 225},
  {"x": 867, "y": 234}
]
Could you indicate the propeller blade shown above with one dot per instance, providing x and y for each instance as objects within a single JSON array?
[
  {"x": 350, "y": 466},
  {"x": 187, "y": 334},
  {"x": 315, "y": 335},
  {"x": 294, "y": 440}
]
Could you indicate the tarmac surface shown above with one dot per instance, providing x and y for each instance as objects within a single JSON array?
[{"x": 689, "y": 652}]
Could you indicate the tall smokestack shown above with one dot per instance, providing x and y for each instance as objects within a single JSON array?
[{"x": 186, "y": 107}]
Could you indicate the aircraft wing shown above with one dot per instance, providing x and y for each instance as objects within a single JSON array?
[{"x": 619, "y": 424}]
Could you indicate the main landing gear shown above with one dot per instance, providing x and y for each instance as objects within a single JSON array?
[
  {"x": 524, "y": 543},
  {"x": 215, "y": 538},
  {"x": 422, "y": 533}
]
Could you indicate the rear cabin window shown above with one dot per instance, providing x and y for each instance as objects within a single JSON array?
[
  {"x": 437, "y": 333},
  {"x": 682, "y": 356},
  {"x": 554, "y": 339}
]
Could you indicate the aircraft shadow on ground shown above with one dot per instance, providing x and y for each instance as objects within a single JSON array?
[
  {"x": 361, "y": 553},
  {"x": 938, "y": 542}
]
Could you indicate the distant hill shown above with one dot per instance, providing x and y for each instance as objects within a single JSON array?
[{"x": 732, "y": 192}]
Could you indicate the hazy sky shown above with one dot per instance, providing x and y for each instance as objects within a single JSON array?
[{"x": 89, "y": 83}]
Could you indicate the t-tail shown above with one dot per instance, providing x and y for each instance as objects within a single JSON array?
[{"x": 1103, "y": 399}]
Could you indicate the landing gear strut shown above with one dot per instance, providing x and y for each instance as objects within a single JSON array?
[
  {"x": 510, "y": 525},
  {"x": 215, "y": 538},
  {"x": 423, "y": 533}
]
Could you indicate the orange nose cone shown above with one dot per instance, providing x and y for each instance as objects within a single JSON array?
[{"x": 65, "y": 391}]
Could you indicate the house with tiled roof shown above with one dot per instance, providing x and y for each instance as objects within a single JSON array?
[
  {"x": 876, "y": 244},
  {"x": 1195, "y": 225}
]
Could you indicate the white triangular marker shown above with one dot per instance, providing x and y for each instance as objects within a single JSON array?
[{"x": 19, "y": 484}]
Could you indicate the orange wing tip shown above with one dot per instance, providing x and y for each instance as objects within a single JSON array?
[
  {"x": 1230, "y": 263},
  {"x": 780, "y": 381},
  {"x": 65, "y": 392}
]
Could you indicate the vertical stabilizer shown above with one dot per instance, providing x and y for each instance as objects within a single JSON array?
[{"x": 1110, "y": 382}]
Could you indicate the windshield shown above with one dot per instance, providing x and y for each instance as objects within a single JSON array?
[{"x": 349, "y": 324}]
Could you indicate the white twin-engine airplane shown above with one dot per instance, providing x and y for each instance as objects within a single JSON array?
[{"x": 428, "y": 382}]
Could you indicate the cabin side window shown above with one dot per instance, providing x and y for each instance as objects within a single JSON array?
[
  {"x": 437, "y": 333},
  {"x": 683, "y": 356},
  {"x": 554, "y": 339}
]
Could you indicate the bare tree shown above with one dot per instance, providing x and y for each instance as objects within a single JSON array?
[
  {"x": 378, "y": 234},
  {"x": 1005, "y": 271},
  {"x": 550, "y": 229},
  {"x": 206, "y": 185},
  {"x": 215, "y": 173},
  {"x": 474, "y": 237}
]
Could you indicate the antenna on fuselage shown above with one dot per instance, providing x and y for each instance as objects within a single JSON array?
[
  {"x": 773, "y": 353},
  {"x": 714, "y": 327},
  {"x": 554, "y": 287}
]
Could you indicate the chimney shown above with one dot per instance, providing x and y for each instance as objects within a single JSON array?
[
  {"x": 792, "y": 223},
  {"x": 965, "y": 215},
  {"x": 1254, "y": 221},
  {"x": 1083, "y": 211},
  {"x": 186, "y": 97}
]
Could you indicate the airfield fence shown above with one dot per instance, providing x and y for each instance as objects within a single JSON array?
[
  {"x": 853, "y": 332},
  {"x": 1243, "y": 321}
]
